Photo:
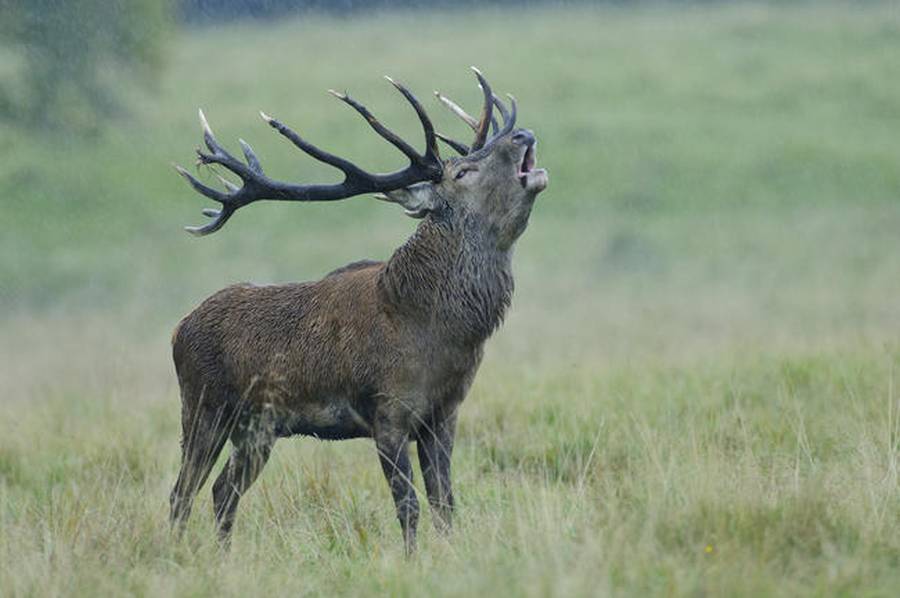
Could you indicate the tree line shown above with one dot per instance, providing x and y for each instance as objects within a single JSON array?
[{"x": 199, "y": 11}]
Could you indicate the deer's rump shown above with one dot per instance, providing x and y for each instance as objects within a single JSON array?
[{"x": 313, "y": 353}]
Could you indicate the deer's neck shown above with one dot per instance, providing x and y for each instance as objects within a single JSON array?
[{"x": 450, "y": 276}]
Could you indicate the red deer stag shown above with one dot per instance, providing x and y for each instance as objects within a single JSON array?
[{"x": 385, "y": 350}]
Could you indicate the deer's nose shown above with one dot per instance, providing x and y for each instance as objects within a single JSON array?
[{"x": 523, "y": 137}]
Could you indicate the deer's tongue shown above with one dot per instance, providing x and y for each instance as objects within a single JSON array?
[{"x": 528, "y": 161}]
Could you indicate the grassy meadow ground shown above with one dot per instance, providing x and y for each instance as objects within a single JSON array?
[{"x": 696, "y": 391}]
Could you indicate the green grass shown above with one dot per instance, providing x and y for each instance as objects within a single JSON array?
[{"x": 694, "y": 392}]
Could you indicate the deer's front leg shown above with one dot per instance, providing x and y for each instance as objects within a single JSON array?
[
  {"x": 435, "y": 447},
  {"x": 392, "y": 451}
]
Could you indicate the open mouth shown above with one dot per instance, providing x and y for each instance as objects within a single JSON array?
[
  {"x": 528, "y": 160},
  {"x": 531, "y": 178}
]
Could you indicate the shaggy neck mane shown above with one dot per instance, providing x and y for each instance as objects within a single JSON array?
[{"x": 451, "y": 273}]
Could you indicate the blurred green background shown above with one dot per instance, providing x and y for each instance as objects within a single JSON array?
[
  {"x": 718, "y": 253},
  {"x": 728, "y": 168}
]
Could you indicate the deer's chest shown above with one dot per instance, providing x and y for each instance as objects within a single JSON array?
[{"x": 441, "y": 373}]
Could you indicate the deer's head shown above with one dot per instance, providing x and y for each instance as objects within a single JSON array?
[{"x": 493, "y": 182}]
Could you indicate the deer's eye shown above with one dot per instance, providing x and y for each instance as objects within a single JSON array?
[{"x": 462, "y": 173}]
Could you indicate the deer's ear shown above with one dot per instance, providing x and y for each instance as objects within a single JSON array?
[{"x": 417, "y": 200}]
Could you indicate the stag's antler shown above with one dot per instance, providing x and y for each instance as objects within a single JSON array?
[
  {"x": 256, "y": 185},
  {"x": 481, "y": 125}
]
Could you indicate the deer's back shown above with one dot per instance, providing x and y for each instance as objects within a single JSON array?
[{"x": 284, "y": 344}]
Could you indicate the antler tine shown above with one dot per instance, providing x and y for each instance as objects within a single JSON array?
[
  {"x": 504, "y": 113},
  {"x": 348, "y": 168},
  {"x": 252, "y": 160},
  {"x": 431, "y": 148},
  {"x": 509, "y": 116},
  {"x": 484, "y": 123},
  {"x": 474, "y": 123},
  {"x": 379, "y": 128},
  {"x": 461, "y": 148},
  {"x": 208, "y": 136},
  {"x": 219, "y": 216},
  {"x": 218, "y": 155},
  {"x": 455, "y": 109},
  {"x": 509, "y": 121},
  {"x": 200, "y": 187}
]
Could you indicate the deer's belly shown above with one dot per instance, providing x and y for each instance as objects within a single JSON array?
[{"x": 337, "y": 419}]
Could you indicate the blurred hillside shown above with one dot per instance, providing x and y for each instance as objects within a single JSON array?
[{"x": 726, "y": 174}]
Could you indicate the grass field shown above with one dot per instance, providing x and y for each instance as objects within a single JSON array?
[{"x": 695, "y": 392}]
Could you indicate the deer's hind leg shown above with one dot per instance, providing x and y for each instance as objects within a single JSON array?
[
  {"x": 252, "y": 439},
  {"x": 204, "y": 431}
]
